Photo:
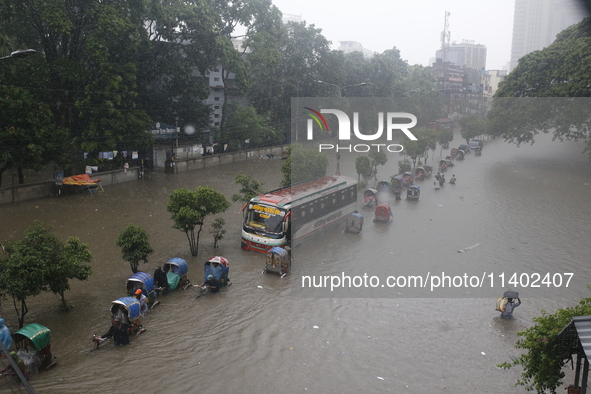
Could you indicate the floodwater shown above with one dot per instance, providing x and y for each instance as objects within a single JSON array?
[{"x": 513, "y": 209}]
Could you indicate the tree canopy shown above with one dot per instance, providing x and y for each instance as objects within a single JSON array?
[
  {"x": 190, "y": 208},
  {"x": 134, "y": 242},
  {"x": 41, "y": 262},
  {"x": 548, "y": 91},
  {"x": 303, "y": 165}
]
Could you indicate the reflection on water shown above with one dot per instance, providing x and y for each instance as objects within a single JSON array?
[{"x": 527, "y": 208}]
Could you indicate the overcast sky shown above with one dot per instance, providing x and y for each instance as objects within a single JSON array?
[{"x": 414, "y": 27}]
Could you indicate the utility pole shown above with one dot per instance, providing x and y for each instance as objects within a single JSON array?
[{"x": 445, "y": 35}]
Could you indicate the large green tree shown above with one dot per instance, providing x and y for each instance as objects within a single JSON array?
[
  {"x": 548, "y": 92},
  {"x": 41, "y": 262},
  {"x": 189, "y": 209},
  {"x": 245, "y": 128},
  {"x": 108, "y": 69},
  {"x": 28, "y": 138}
]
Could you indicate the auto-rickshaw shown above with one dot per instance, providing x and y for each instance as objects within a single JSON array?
[
  {"x": 354, "y": 223},
  {"x": 278, "y": 261},
  {"x": 34, "y": 348},
  {"x": 383, "y": 213},
  {"x": 413, "y": 192}
]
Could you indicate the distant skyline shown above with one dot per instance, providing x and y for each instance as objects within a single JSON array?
[{"x": 412, "y": 27}]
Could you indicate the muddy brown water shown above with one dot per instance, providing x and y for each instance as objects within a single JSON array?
[{"x": 526, "y": 208}]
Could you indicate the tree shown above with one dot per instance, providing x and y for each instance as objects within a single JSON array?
[
  {"x": 544, "y": 359},
  {"x": 217, "y": 230},
  {"x": 41, "y": 262},
  {"x": 445, "y": 137},
  {"x": 68, "y": 265},
  {"x": 244, "y": 124},
  {"x": 303, "y": 165},
  {"x": 190, "y": 208},
  {"x": 527, "y": 103},
  {"x": 135, "y": 245},
  {"x": 363, "y": 167},
  {"x": 471, "y": 127},
  {"x": 250, "y": 188},
  {"x": 28, "y": 139},
  {"x": 377, "y": 159}
]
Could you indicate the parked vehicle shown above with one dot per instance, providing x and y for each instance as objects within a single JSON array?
[
  {"x": 33, "y": 346},
  {"x": 278, "y": 261},
  {"x": 413, "y": 192},
  {"x": 383, "y": 213}
]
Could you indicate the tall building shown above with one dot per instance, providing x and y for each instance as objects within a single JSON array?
[
  {"x": 466, "y": 54},
  {"x": 537, "y": 22}
]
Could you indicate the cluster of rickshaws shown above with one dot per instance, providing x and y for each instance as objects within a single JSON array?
[{"x": 168, "y": 277}]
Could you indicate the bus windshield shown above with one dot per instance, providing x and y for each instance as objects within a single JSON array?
[{"x": 264, "y": 218}]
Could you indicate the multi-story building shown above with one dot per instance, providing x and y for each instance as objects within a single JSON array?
[
  {"x": 354, "y": 46},
  {"x": 537, "y": 22},
  {"x": 466, "y": 54}
]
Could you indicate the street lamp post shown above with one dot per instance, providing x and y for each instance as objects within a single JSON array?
[{"x": 19, "y": 54}]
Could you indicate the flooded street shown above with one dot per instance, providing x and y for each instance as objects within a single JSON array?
[{"x": 527, "y": 209}]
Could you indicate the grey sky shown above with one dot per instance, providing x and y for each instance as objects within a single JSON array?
[{"x": 414, "y": 27}]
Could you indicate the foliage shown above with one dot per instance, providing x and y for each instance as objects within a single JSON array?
[
  {"x": 244, "y": 124},
  {"x": 302, "y": 165},
  {"x": 135, "y": 245},
  {"x": 445, "y": 136},
  {"x": 563, "y": 69},
  {"x": 28, "y": 139},
  {"x": 404, "y": 166},
  {"x": 40, "y": 262},
  {"x": 377, "y": 159},
  {"x": 217, "y": 230},
  {"x": 544, "y": 359},
  {"x": 363, "y": 167},
  {"x": 472, "y": 126},
  {"x": 190, "y": 208},
  {"x": 250, "y": 188}
]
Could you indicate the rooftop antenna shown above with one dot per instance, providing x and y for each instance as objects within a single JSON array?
[{"x": 445, "y": 35}]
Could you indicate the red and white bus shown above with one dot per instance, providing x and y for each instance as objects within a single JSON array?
[{"x": 294, "y": 214}]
